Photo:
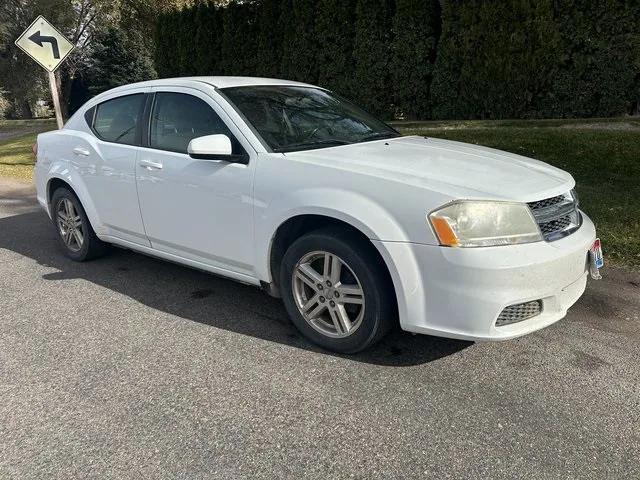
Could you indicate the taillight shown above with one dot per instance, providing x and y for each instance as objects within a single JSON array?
[{"x": 35, "y": 151}]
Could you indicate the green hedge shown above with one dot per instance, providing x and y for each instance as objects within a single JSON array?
[
  {"x": 537, "y": 58},
  {"x": 408, "y": 59}
]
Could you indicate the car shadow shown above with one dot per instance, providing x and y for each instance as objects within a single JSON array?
[{"x": 199, "y": 296}]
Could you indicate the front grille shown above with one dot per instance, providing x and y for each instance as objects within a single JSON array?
[
  {"x": 519, "y": 312},
  {"x": 557, "y": 216},
  {"x": 549, "y": 228},
  {"x": 547, "y": 202}
]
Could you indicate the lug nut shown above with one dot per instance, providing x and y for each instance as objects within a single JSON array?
[
  {"x": 328, "y": 283},
  {"x": 322, "y": 299},
  {"x": 332, "y": 303},
  {"x": 320, "y": 287},
  {"x": 336, "y": 294}
]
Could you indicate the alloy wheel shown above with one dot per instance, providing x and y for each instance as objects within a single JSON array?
[
  {"x": 69, "y": 225},
  {"x": 328, "y": 294}
]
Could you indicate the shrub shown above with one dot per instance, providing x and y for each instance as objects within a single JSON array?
[
  {"x": 207, "y": 41},
  {"x": 598, "y": 72},
  {"x": 334, "y": 31},
  {"x": 473, "y": 59},
  {"x": 269, "y": 38},
  {"x": 416, "y": 29},
  {"x": 371, "y": 52},
  {"x": 300, "y": 45},
  {"x": 485, "y": 67}
]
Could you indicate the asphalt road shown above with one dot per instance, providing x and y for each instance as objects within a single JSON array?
[{"x": 128, "y": 366}]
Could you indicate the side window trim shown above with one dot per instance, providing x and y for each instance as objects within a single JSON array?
[
  {"x": 146, "y": 120},
  {"x": 90, "y": 117},
  {"x": 150, "y": 105},
  {"x": 93, "y": 112}
]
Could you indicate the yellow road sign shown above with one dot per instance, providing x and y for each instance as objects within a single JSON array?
[{"x": 44, "y": 43}]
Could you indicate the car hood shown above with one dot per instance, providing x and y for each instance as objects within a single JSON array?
[{"x": 457, "y": 169}]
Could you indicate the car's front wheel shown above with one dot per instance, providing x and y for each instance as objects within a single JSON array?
[
  {"x": 75, "y": 233},
  {"x": 336, "y": 290}
]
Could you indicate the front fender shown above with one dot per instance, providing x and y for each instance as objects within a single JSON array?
[{"x": 358, "y": 210}]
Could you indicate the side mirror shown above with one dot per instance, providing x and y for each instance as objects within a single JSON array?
[{"x": 215, "y": 147}]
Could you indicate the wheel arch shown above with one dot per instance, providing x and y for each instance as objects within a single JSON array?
[
  {"x": 294, "y": 227},
  {"x": 56, "y": 181}
]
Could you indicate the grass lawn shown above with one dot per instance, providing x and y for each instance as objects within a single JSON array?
[
  {"x": 16, "y": 139},
  {"x": 16, "y": 157},
  {"x": 603, "y": 155},
  {"x": 48, "y": 123}
]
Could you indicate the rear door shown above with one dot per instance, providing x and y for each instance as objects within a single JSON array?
[
  {"x": 107, "y": 164},
  {"x": 201, "y": 210}
]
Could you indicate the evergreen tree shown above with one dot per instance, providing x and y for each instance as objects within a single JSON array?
[
  {"x": 371, "y": 53},
  {"x": 166, "y": 53},
  {"x": 416, "y": 27},
  {"x": 228, "y": 46},
  {"x": 201, "y": 39},
  {"x": 207, "y": 41},
  {"x": 300, "y": 45},
  {"x": 496, "y": 59},
  {"x": 269, "y": 38},
  {"x": 335, "y": 31},
  {"x": 117, "y": 58},
  {"x": 184, "y": 42},
  {"x": 475, "y": 59},
  {"x": 159, "y": 41},
  {"x": 239, "y": 39},
  {"x": 599, "y": 71}
]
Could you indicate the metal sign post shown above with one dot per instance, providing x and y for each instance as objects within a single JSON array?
[{"x": 47, "y": 46}]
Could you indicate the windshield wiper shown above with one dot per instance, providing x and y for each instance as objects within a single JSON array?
[
  {"x": 315, "y": 143},
  {"x": 379, "y": 136}
]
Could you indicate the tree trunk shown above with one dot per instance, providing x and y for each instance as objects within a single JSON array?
[{"x": 20, "y": 108}]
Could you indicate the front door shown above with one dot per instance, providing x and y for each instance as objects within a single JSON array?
[{"x": 200, "y": 210}]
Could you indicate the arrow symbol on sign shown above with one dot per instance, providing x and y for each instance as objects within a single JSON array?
[{"x": 40, "y": 39}]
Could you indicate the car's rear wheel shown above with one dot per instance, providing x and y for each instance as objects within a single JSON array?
[
  {"x": 336, "y": 290},
  {"x": 75, "y": 233}
]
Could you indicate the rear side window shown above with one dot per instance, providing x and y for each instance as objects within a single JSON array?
[
  {"x": 178, "y": 118},
  {"x": 117, "y": 120}
]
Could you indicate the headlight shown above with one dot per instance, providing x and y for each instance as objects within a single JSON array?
[{"x": 484, "y": 223}]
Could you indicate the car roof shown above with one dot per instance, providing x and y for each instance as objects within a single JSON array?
[
  {"x": 217, "y": 82},
  {"x": 224, "y": 82}
]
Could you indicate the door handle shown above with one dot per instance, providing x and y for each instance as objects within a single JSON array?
[
  {"x": 81, "y": 151},
  {"x": 149, "y": 165}
]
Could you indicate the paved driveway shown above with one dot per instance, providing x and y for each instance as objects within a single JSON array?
[{"x": 133, "y": 367}]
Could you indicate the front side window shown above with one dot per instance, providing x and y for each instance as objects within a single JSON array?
[
  {"x": 290, "y": 118},
  {"x": 177, "y": 118},
  {"x": 116, "y": 120}
]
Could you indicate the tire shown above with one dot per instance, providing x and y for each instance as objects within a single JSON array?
[
  {"x": 364, "y": 277},
  {"x": 82, "y": 243}
]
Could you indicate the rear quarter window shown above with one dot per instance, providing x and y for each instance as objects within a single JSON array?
[{"x": 117, "y": 120}]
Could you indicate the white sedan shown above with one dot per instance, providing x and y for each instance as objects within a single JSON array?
[{"x": 292, "y": 188}]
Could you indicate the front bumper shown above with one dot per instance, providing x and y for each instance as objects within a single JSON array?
[{"x": 459, "y": 292}]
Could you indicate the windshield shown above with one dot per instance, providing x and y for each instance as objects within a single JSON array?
[{"x": 290, "y": 118}]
